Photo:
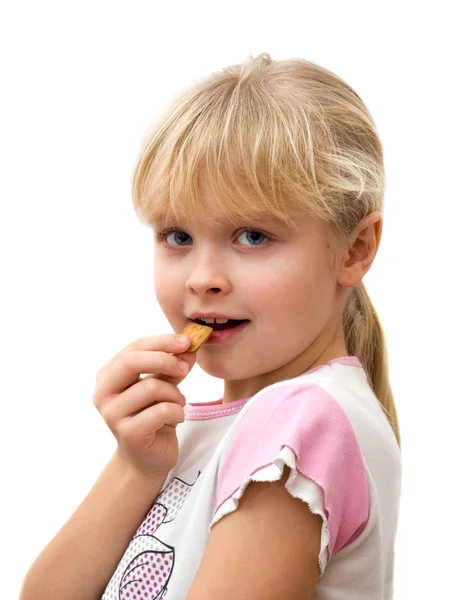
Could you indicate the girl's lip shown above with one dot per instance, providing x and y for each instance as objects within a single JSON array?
[
  {"x": 223, "y": 335},
  {"x": 196, "y": 318}
]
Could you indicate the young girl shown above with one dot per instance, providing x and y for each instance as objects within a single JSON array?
[{"x": 264, "y": 186}]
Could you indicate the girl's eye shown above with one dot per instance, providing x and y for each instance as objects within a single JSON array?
[
  {"x": 253, "y": 237},
  {"x": 165, "y": 234},
  {"x": 181, "y": 236}
]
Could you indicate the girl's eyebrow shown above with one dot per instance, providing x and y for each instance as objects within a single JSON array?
[{"x": 264, "y": 219}]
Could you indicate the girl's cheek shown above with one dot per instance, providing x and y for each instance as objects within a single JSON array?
[{"x": 168, "y": 287}]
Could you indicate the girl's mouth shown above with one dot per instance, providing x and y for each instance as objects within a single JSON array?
[
  {"x": 224, "y": 331},
  {"x": 230, "y": 324}
]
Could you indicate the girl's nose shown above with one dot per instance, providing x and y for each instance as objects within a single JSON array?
[{"x": 208, "y": 279}]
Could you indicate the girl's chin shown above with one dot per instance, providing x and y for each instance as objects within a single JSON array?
[{"x": 229, "y": 370}]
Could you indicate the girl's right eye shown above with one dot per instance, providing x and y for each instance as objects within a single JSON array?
[{"x": 164, "y": 234}]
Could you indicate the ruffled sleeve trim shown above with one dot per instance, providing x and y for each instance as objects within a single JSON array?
[{"x": 297, "y": 485}]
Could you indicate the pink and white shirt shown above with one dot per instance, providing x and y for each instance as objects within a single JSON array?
[{"x": 329, "y": 428}]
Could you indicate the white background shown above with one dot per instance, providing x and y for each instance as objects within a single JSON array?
[{"x": 81, "y": 81}]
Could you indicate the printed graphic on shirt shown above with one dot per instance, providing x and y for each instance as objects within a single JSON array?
[{"x": 146, "y": 567}]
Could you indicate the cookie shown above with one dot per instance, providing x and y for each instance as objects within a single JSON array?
[{"x": 198, "y": 335}]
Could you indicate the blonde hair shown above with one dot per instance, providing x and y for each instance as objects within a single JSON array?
[{"x": 286, "y": 138}]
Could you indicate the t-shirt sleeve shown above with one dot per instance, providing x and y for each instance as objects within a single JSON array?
[{"x": 304, "y": 427}]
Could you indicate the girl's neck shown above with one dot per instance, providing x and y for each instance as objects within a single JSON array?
[{"x": 245, "y": 388}]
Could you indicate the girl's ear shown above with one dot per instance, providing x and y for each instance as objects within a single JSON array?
[{"x": 359, "y": 256}]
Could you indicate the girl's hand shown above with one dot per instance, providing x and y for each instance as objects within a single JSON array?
[{"x": 142, "y": 412}]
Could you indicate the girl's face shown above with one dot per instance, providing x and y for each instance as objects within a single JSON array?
[{"x": 280, "y": 279}]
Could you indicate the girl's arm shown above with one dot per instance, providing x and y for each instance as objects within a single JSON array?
[
  {"x": 80, "y": 560},
  {"x": 267, "y": 548}
]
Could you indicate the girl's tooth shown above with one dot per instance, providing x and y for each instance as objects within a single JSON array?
[
  {"x": 211, "y": 321},
  {"x": 214, "y": 320}
]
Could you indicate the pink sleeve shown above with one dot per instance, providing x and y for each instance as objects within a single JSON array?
[{"x": 303, "y": 426}]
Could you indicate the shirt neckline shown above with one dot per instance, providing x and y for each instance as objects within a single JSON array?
[{"x": 215, "y": 408}]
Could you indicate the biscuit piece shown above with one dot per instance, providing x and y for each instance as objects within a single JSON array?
[{"x": 198, "y": 335}]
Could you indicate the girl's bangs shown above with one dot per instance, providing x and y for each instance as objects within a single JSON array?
[{"x": 249, "y": 170}]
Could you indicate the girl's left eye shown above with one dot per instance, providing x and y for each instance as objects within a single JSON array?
[{"x": 254, "y": 237}]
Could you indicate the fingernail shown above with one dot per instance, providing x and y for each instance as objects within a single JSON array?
[
  {"x": 182, "y": 339},
  {"x": 183, "y": 366}
]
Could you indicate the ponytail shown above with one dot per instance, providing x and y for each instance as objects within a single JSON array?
[{"x": 364, "y": 338}]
